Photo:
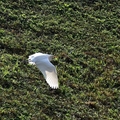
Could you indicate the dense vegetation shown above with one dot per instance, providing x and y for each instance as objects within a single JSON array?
[{"x": 85, "y": 39}]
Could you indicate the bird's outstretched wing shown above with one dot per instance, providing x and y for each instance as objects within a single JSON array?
[{"x": 49, "y": 72}]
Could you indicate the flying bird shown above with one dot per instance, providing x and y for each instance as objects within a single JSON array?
[{"x": 42, "y": 61}]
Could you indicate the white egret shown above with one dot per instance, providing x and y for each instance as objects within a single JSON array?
[{"x": 42, "y": 61}]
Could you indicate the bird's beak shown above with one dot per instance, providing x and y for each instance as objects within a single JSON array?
[{"x": 25, "y": 62}]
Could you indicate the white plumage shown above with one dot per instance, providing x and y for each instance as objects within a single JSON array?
[{"x": 42, "y": 61}]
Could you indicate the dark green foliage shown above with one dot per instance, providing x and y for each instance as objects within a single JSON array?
[{"x": 85, "y": 39}]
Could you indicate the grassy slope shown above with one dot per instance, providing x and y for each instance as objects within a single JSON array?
[{"x": 83, "y": 36}]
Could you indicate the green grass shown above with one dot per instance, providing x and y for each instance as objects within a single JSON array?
[{"x": 85, "y": 39}]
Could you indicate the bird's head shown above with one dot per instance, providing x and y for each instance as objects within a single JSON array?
[
  {"x": 34, "y": 58},
  {"x": 31, "y": 59}
]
